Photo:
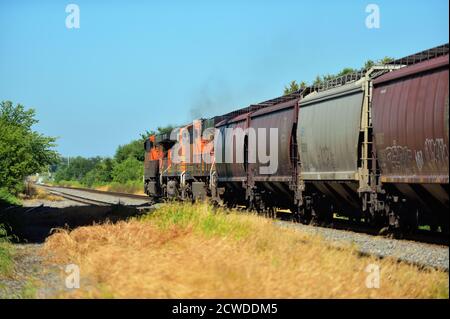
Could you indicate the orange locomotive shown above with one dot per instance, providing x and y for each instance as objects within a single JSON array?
[{"x": 176, "y": 166}]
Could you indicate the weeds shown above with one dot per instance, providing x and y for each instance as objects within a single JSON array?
[
  {"x": 36, "y": 193},
  {"x": 194, "y": 251},
  {"x": 6, "y": 253}
]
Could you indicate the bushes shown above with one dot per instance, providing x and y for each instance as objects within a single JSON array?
[
  {"x": 75, "y": 168},
  {"x": 100, "y": 174},
  {"x": 128, "y": 170},
  {"x": 7, "y": 198}
]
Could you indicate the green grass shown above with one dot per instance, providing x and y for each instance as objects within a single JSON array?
[
  {"x": 6, "y": 198},
  {"x": 29, "y": 290},
  {"x": 69, "y": 183},
  {"x": 6, "y": 261},
  {"x": 6, "y": 253},
  {"x": 201, "y": 218}
]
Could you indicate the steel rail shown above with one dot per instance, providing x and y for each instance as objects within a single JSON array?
[
  {"x": 81, "y": 199},
  {"x": 95, "y": 191}
]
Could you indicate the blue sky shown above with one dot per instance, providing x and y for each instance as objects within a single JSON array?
[{"x": 136, "y": 65}]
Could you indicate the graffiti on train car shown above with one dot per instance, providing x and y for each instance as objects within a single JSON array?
[
  {"x": 398, "y": 158},
  {"x": 436, "y": 151},
  {"x": 325, "y": 158},
  {"x": 419, "y": 159}
]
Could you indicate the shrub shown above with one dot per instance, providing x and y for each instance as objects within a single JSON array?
[
  {"x": 6, "y": 198},
  {"x": 128, "y": 170}
]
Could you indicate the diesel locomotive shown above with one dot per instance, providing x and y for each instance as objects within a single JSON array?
[{"x": 370, "y": 145}]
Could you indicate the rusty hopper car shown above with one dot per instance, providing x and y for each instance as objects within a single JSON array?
[
  {"x": 231, "y": 181},
  {"x": 277, "y": 189},
  {"x": 238, "y": 181},
  {"x": 410, "y": 118}
]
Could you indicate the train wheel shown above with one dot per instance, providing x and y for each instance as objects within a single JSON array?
[
  {"x": 397, "y": 223},
  {"x": 305, "y": 212},
  {"x": 305, "y": 216},
  {"x": 271, "y": 212},
  {"x": 296, "y": 218},
  {"x": 374, "y": 219},
  {"x": 322, "y": 212}
]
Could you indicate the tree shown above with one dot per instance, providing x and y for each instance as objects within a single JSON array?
[
  {"x": 318, "y": 80},
  {"x": 23, "y": 151},
  {"x": 293, "y": 87},
  {"x": 371, "y": 63},
  {"x": 386, "y": 60},
  {"x": 100, "y": 174},
  {"x": 134, "y": 149},
  {"x": 128, "y": 170},
  {"x": 75, "y": 168},
  {"x": 159, "y": 130},
  {"x": 368, "y": 64},
  {"x": 346, "y": 71},
  {"x": 165, "y": 129}
]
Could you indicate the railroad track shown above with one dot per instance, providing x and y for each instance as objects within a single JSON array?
[
  {"x": 423, "y": 236},
  {"x": 420, "y": 254},
  {"x": 117, "y": 196},
  {"x": 95, "y": 191},
  {"x": 80, "y": 199}
]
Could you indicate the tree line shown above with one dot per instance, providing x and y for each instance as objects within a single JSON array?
[
  {"x": 293, "y": 86},
  {"x": 122, "y": 172},
  {"x": 126, "y": 166}
]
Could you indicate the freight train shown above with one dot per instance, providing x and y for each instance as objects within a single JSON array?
[{"x": 371, "y": 146}]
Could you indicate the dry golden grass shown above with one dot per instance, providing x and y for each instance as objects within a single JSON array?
[
  {"x": 36, "y": 193},
  {"x": 185, "y": 251},
  {"x": 103, "y": 188},
  {"x": 113, "y": 188}
]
